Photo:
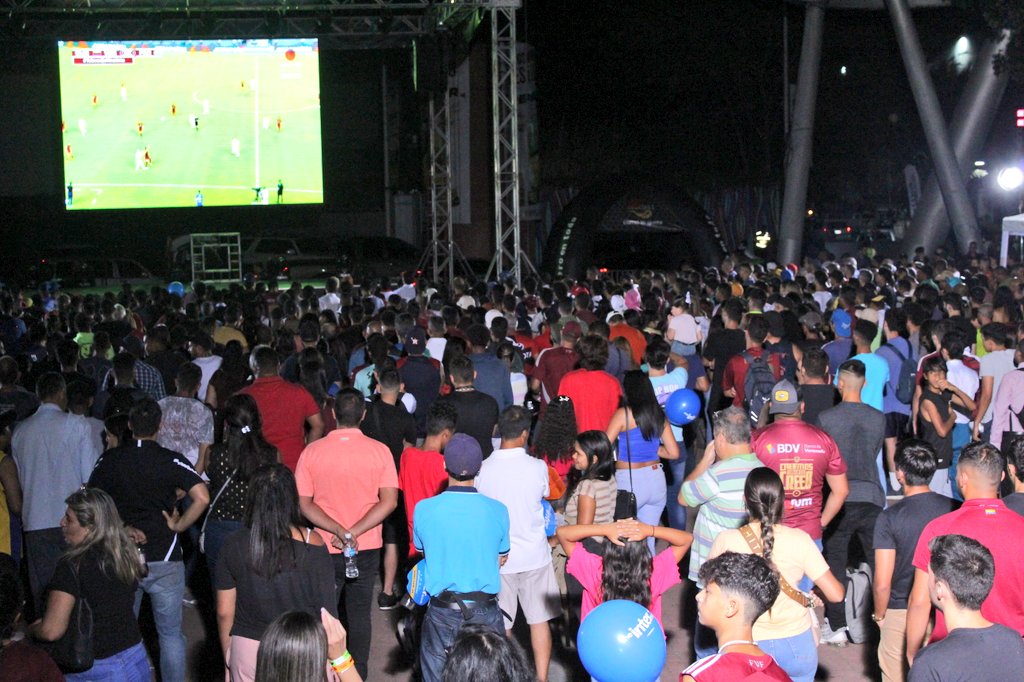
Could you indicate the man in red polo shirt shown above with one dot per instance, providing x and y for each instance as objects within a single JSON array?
[
  {"x": 988, "y": 520},
  {"x": 285, "y": 408},
  {"x": 594, "y": 392},
  {"x": 555, "y": 363}
]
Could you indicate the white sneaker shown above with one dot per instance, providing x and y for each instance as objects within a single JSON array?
[{"x": 837, "y": 638}]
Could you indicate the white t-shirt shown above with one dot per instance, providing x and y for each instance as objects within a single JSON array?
[
  {"x": 330, "y": 302},
  {"x": 964, "y": 378},
  {"x": 436, "y": 346},
  {"x": 520, "y": 482},
  {"x": 996, "y": 364},
  {"x": 685, "y": 328},
  {"x": 208, "y": 365},
  {"x": 822, "y": 298}
]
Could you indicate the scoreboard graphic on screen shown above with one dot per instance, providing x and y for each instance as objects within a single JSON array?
[{"x": 190, "y": 123}]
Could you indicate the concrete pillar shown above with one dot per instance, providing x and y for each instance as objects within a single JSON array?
[
  {"x": 970, "y": 127},
  {"x": 951, "y": 184},
  {"x": 798, "y": 162}
]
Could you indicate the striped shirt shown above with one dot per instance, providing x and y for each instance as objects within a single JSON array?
[{"x": 719, "y": 491}]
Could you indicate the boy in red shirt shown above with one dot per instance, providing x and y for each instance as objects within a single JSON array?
[
  {"x": 421, "y": 472},
  {"x": 738, "y": 588}
]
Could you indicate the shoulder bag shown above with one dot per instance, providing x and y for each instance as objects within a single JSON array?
[
  {"x": 73, "y": 651},
  {"x": 202, "y": 531},
  {"x": 625, "y": 500}
]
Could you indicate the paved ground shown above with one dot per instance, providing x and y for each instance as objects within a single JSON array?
[{"x": 849, "y": 664}]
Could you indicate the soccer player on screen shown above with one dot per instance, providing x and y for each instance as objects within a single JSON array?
[
  {"x": 71, "y": 193},
  {"x": 174, "y": 109},
  {"x": 139, "y": 161},
  {"x": 199, "y": 198},
  {"x": 81, "y": 125},
  {"x": 124, "y": 93},
  {"x": 95, "y": 99},
  {"x": 138, "y": 126},
  {"x": 68, "y": 154},
  {"x": 146, "y": 158},
  {"x": 278, "y": 124},
  {"x": 280, "y": 192},
  {"x": 236, "y": 147}
]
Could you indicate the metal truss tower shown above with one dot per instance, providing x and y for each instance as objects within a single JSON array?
[
  {"x": 442, "y": 252},
  {"x": 508, "y": 253}
]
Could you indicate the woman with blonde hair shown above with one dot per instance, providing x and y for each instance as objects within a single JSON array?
[{"x": 102, "y": 567}]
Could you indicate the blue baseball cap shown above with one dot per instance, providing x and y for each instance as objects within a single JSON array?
[{"x": 842, "y": 323}]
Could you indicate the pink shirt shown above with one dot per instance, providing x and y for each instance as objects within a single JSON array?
[{"x": 587, "y": 568}]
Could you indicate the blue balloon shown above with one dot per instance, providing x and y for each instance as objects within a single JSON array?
[
  {"x": 417, "y": 581},
  {"x": 621, "y": 641},
  {"x": 683, "y": 406},
  {"x": 550, "y": 520},
  {"x": 176, "y": 288}
]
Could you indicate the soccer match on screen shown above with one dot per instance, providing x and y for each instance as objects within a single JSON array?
[{"x": 190, "y": 123}]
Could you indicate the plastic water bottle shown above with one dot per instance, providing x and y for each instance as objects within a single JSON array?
[{"x": 351, "y": 570}]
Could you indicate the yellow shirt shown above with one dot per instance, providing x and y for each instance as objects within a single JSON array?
[
  {"x": 5, "y": 518},
  {"x": 794, "y": 555}
]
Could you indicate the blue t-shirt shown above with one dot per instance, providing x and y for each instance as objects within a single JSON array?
[
  {"x": 461, "y": 534},
  {"x": 666, "y": 385},
  {"x": 876, "y": 375}
]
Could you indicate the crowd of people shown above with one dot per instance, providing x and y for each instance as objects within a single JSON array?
[{"x": 293, "y": 453}]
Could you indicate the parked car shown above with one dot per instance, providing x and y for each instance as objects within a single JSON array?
[{"x": 90, "y": 271}]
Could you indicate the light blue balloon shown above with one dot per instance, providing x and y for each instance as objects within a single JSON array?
[
  {"x": 621, "y": 641},
  {"x": 550, "y": 522},
  {"x": 176, "y": 288}
]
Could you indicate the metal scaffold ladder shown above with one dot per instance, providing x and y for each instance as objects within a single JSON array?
[{"x": 216, "y": 256}]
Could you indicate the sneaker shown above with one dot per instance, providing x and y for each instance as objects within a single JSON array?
[
  {"x": 836, "y": 638},
  {"x": 386, "y": 602}
]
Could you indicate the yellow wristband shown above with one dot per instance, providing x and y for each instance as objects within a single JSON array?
[{"x": 344, "y": 667}]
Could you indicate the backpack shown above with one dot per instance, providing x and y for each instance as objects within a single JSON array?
[
  {"x": 757, "y": 387},
  {"x": 859, "y": 606},
  {"x": 907, "y": 381}
]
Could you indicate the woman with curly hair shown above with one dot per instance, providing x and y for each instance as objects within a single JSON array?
[
  {"x": 785, "y": 630},
  {"x": 556, "y": 436}
]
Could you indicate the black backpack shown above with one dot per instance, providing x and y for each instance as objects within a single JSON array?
[
  {"x": 907, "y": 381},
  {"x": 757, "y": 387}
]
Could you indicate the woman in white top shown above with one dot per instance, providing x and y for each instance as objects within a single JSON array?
[
  {"x": 785, "y": 630},
  {"x": 683, "y": 331}
]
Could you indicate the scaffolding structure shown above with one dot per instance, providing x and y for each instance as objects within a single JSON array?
[
  {"x": 216, "y": 256},
  {"x": 509, "y": 259},
  {"x": 344, "y": 23}
]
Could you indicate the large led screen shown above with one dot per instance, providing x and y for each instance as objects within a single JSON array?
[{"x": 190, "y": 123}]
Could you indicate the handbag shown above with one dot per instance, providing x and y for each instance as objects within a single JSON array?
[
  {"x": 202, "y": 531},
  {"x": 801, "y": 598},
  {"x": 73, "y": 651},
  {"x": 625, "y": 500}
]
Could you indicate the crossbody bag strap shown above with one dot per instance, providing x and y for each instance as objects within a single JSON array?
[
  {"x": 215, "y": 498},
  {"x": 754, "y": 542},
  {"x": 629, "y": 449}
]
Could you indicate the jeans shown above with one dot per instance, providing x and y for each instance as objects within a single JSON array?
[
  {"x": 705, "y": 643},
  {"x": 217, "y": 531},
  {"x": 43, "y": 549},
  {"x": 130, "y": 665},
  {"x": 650, "y": 490},
  {"x": 440, "y": 628},
  {"x": 855, "y": 518},
  {"x": 165, "y": 586},
  {"x": 355, "y": 601},
  {"x": 677, "y": 469},
  {"x": 961, "y": 437},
  {"x": 797, "y": 655}
]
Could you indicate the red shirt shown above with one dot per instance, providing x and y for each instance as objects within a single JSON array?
[
  {"x": 595, "y": 397},
  {"x": 552, "y": 365},
  {"x": 421, "y": 474},
  {"x": 635, "y": 338},
  {"x": 284, "y": 408},
  {"x": 735, "y": 375},
  {"x": 735, "y": 666},
  {"x": 1000, "y": 529},
  {"x": 801, "y": 455}
]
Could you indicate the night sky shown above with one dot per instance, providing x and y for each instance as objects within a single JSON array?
[{"x": 692, "y": 92}]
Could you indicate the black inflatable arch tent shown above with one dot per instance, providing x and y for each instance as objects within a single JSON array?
[{"x": 631, "y": 224}]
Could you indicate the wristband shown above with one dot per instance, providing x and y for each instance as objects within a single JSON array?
[
  {"x": 340, "y": 661},
  {"x": 345, "y": 667}
]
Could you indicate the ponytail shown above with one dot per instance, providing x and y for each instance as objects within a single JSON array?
[{"x": 763, "y": 496}]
